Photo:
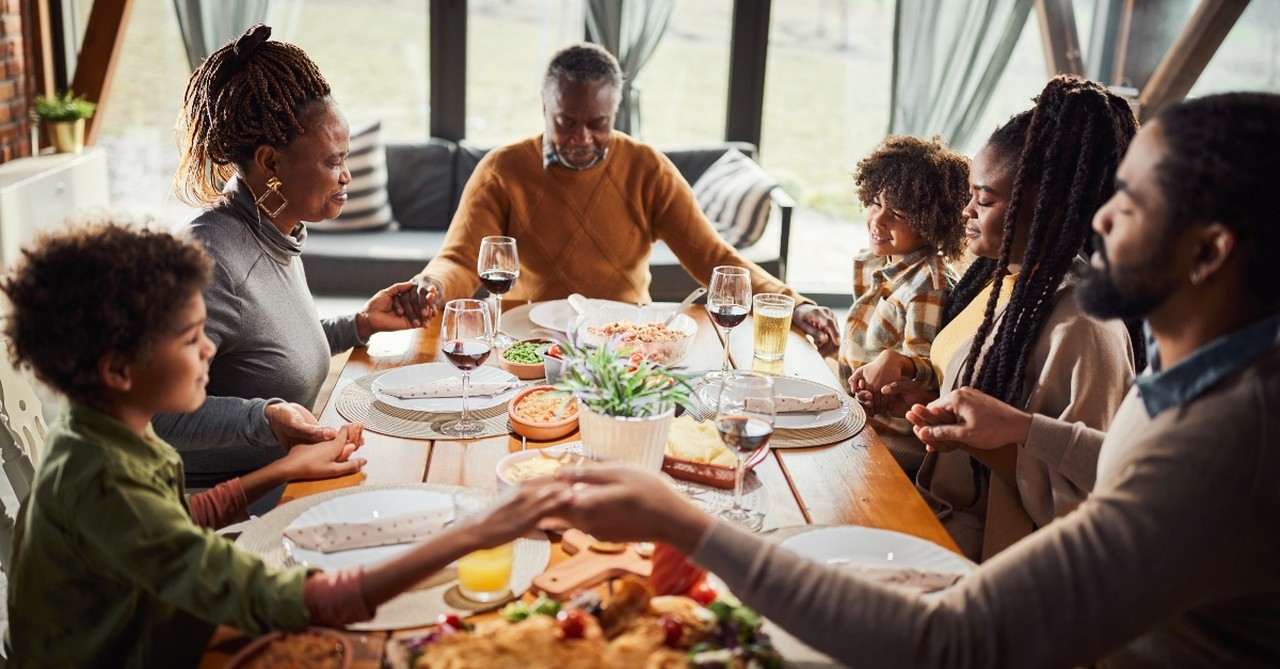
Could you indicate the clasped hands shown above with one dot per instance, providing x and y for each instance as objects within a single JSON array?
[{"x": 963, "y": 418}]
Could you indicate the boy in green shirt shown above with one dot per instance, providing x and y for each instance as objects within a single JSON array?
[{"x": 114, "y": 565}]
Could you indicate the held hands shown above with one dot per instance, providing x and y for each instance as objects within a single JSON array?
[
  {"x": 292, "y": 424},
  {"x": 968, "y": 418},
  {"x": 384, "y": 313},
  {"x": 884, "y": 387},
  {"x": 517, "y": 513},
  {"x": 620, "y": 503},
  {"x": 326, "y": 459},
  {"x": 419, "y": 303},
  {"x": 818, "y": 322}
]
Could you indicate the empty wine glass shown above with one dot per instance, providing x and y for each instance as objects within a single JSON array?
[
  {"x": 728, "y": 303},
  {"x": 465, "y": 334},
  {"x": 499, "y": 266},
  {"x": 744, "y": 419}
]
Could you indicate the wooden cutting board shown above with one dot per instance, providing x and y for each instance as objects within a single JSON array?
[{"x": 591, "y": 563}]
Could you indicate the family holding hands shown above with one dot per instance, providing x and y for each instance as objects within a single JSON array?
[{"x": 1121, "y": 516}]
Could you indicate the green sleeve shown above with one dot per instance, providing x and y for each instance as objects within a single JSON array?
[{"x": 143, "y": 533}]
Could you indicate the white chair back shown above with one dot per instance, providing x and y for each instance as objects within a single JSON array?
[{"x": 21, "y": 439}]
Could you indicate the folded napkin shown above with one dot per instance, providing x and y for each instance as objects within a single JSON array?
[
  {"x": 403, "y": 529},
  {"x": 784, "y": 404},
  {"x": 450, "y": 386}
]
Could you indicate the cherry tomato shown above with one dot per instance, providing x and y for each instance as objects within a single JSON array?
[
  {"x": 672, "y": 573},
  {"x": 672, "y": 631},
  {"x": 554, "y": 351},
  {"x": 572, "y": 623},
  {"x": 450, "y": 622},
  {"x": 703, "y": 593}
]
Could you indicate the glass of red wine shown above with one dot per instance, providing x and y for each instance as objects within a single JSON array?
[
  {"x": 465, "y": 334},
  {"x": 744, "y": 419},
  {"x": 728, "y": 303},
  {"x": 499, "y": 267}
]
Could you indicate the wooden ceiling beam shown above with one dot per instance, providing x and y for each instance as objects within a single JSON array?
[
  {"x": 1059, "y": 36},
  {"x": 1190, "y": 53},
  {"x": 96, "y": 65}
]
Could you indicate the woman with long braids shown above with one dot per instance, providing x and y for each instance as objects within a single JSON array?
[
  {"x": 1035, "y": 187},
  {"x": 264, "y": 148}
]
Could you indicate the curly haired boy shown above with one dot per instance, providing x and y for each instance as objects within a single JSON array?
[
  {"x": 914, "y": 191},
  {"x": 113, "y": 564}
]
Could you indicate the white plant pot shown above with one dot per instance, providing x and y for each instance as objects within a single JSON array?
[{"x": 639, "y": 441}]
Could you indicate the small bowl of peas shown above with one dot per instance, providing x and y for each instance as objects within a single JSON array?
[{"x": 524, "y": 358}]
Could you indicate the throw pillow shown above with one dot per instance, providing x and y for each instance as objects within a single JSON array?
[
  {"x": 734, "y": 194},
  {"x": 367, "y": 205}
]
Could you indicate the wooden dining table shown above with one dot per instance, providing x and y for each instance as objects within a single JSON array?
[{"x": 851, "y": 482}]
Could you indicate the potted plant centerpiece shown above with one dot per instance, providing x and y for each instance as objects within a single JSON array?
[
  {"x": 64, "y": 114},
  {"x": 625, "y": 402}
]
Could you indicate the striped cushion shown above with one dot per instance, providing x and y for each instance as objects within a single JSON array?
[
  {"x": 734, "y": 194},
  {"x": 367, "y": 205}
]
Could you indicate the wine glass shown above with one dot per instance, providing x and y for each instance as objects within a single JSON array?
[
  {"x": 728, "y": 303},
  {"x": 744, "y": 419},
  {"x": 465, "y": 341},
  {"x": 499, "y": 267}
]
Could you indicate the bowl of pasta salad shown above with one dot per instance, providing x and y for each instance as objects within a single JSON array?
[{"x": 542, "y": 414}]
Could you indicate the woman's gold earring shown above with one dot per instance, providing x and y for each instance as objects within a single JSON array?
[{"x": 273, "y": 188}]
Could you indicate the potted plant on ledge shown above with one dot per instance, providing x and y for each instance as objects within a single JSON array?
[
  {"x": 626, "y": 403},
  {"x": 64, "y": 114}
]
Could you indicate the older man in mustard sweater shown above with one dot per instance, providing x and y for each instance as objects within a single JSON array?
[{"x": 586, "y": 204}]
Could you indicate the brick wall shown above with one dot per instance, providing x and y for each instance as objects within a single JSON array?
[{"x": 15, "y": 133}]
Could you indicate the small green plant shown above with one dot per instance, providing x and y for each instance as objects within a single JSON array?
[
  {"x": 613, "y": 382},
  {"x": 64, "y": 106}
]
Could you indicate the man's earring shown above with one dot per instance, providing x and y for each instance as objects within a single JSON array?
[
  {"x": 273, "y": 188},
  {"x": 1195, "y": 277}
]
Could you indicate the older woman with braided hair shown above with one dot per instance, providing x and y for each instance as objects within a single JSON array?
[
  {"x": 1012, "y": 328},
  {"x": 264, "y": 148}
]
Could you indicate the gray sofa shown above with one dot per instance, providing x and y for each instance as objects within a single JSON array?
[{"x": 425, "y": 182}]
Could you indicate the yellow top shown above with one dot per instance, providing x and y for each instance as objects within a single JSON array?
[{"x": 947, "y": 343}]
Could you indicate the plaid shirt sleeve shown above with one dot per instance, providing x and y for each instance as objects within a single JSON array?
[{"x": 895, "y": 307}]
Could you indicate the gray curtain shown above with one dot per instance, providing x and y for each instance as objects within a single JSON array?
[
  {"x": 208, "y": 24},
  {"x": 947, "y": 60},
  {"x": 630, "y": 30}
]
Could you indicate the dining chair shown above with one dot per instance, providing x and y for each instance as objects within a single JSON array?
[{"x": 20, "y": 442}]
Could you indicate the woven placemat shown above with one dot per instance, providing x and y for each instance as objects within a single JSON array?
[
  {"x": 414, "y": 608},
  {"x": 358, "y": 404},
  {"x": 852, "y": 423}
]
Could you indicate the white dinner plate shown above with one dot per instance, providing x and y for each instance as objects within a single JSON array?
[
  {"x": 792, "y": 387},
  {"x": 431, "y": 371},
  {"x": 876, "y": 547},
  {"x": 357, "y": 508}
]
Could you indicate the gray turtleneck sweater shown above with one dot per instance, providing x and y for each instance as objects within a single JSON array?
[{"x": 271, "y": 342}]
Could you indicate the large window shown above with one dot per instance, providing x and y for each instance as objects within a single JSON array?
[
  {"x": 508, "y": 45},
  {"x": 1249, "y": 58},
  {"x": 685, "y": 85}
]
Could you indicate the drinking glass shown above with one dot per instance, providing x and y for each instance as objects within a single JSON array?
[
  {"x": 772, "y": 318},
  {"x": 499, "y": 267},
  {"x": 728, "y": 303},
  {"x": 465, "y": 341},
  {"x": 744, "y": 419},
  {"x": 483, "y": 575}
]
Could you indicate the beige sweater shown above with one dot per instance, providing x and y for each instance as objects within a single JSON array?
[
  {"x": 1170, "y": 562},
  {"x": 588, "y": 231},
  {"x": 1079, "y": 371}
]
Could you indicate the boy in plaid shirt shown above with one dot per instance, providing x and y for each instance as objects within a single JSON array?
[{"x": 914, "y": 192}]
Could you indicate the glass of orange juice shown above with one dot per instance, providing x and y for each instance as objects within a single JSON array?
[{"x": 483, "y": 575}]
